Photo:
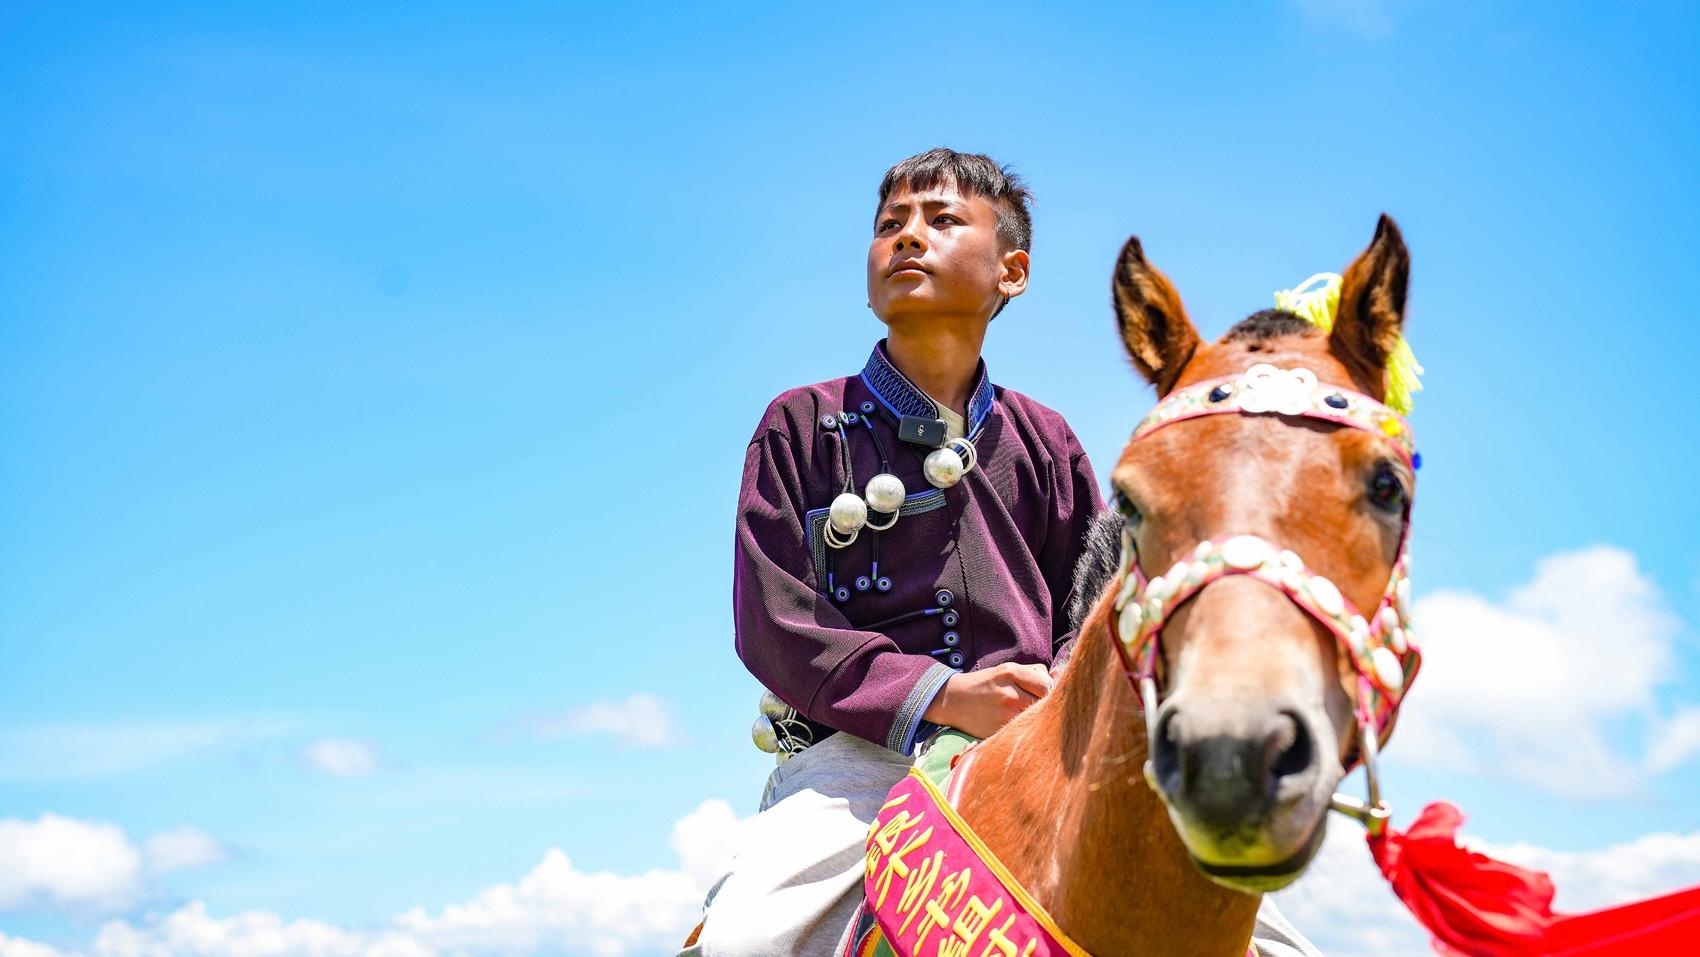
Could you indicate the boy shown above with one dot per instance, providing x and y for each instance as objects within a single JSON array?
[{"x": 906, "y": 541}]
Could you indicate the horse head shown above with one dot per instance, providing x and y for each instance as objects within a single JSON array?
[{"x": 1249, "y": 542}]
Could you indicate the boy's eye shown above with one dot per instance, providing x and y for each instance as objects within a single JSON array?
[{"x": 889, "y": 222}]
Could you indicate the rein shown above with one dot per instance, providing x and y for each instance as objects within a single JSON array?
[{"x": 1379, "y": 646}]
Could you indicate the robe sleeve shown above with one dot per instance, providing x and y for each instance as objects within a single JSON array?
[
  {"x": 1075, "y": 503},
  {"x": 793, "y": 638}
]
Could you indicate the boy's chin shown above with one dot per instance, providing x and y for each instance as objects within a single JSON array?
[{"x": 923, "y": 311}]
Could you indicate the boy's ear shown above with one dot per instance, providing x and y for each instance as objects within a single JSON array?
[
  {"x": 1371, "y": 316},
  {"x": 1159, "y": 338},
  {"x": 1013, "y": 280}
]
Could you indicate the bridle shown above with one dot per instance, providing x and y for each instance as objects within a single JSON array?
[{"x": 1380, "y": 646}]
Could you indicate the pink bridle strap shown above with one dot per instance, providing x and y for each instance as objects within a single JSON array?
[{"x": 1379, "y": 647}]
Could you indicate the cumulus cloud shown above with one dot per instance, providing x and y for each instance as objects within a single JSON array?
[
  {"x": 1533, "y": 685},
  {"x": 556, "y": 908},
  {"x": 641, "y": 719},
  {"x": 1345, "y": 906},
  {"x": 89, "y": 867},
  {"x": 60, "y": 862},
  {"x": 341, "y": 757}
]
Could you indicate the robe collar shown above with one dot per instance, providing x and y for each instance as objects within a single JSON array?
[{"x": 901, "y": 397}]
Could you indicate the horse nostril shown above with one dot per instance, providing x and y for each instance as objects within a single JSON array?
[
  {"x": 1165, "y": 761},
  {"x": 1295, "y": 750}
]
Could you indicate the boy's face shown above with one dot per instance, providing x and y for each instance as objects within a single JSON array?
[{"x": 936, "y": 252}]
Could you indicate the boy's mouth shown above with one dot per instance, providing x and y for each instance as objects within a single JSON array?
[{"x": 907, "y": 265}]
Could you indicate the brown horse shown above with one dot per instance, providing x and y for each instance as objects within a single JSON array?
[{"x": 1256, "y": 724}]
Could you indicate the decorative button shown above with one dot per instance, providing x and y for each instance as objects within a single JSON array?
[
  {"x": 867, "y": 408},
  {"x": 772, "y": 706},
  {"x": 850, "y": 418},
  {"x": 950, "y": 618},
  {"x": 943, "y": 598},
  {"x": 951, "y": 639},
  {"x": 841, "y": 593},
  {"x": 829, "y": 421},
  {"x": 882, "y": 583},
  {"x": 955, "y": 659},
  {"x": 1221, "y": 393},
  {"x": 764, "y": 734},
  {"x": 863, "y": 583},
  {"x": 1336, "y": 401}
]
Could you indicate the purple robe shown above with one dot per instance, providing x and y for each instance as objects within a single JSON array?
[{"x": 861, "y": 639}]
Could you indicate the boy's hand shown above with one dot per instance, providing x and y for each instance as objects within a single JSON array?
[{"x": 980, "y": 702}]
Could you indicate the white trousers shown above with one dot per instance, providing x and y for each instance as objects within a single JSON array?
[{"x": 795, "y": 879}]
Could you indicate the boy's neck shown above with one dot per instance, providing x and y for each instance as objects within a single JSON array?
[{"x": 941, "y": 361}]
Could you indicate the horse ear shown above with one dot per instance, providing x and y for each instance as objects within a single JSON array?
[
  {"x": 1371, "y": 315},
  {"x": 1159, "y": 338}
]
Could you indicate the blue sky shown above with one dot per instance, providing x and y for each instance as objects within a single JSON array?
[{"x": 374, "y": 384}]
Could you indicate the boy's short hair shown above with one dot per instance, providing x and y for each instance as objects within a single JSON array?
[{"x": 973, "y": 174}]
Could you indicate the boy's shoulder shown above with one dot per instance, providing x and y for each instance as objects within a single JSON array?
[
  {"x": 800, "y": 409},
  {"x": 1043, "y": 422}
]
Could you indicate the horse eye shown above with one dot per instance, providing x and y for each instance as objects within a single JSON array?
[
  {"x": 1129, "y": 511},
  {"x": 1386, "y": 491}
]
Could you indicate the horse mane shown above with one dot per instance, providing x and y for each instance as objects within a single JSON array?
[{"x": 1097, "y": 564}]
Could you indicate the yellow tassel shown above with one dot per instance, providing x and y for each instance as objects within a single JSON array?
[{"x": 1317, "y": 306}]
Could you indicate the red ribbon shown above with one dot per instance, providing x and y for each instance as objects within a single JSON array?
[{"x": 1476, "y": 906}]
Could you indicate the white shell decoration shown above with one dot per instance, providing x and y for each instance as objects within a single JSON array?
[
  {"x": 1245, "y": 551},
  {"x": 943, "y": 467},
  {"x": 1357, "y": 632},
  {"x": 1130, "y": 585},
  {"x": 849, "y": 513},
  {"x": 1264, "y": 388},
  {"x": 1291, "y": 560},
  {"x": 1326, "y": 596},
  {"x": 1127, "y": 623},
  {"x": 1157, "y": 589},
  {"x": 885, "y": 493},
  {"x": 1202, "y": 551},
  {"x": 1388, "y": 669},
  {"x": 1389, "y": 620},
  {"x": 1176, "y": 574},
  {"x": 1401, "y": 641},
  {"x": 1196, "y": 572},
  {"x": 1402, "y": 595}
]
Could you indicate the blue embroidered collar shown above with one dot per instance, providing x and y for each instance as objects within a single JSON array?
[{"x": 902, "y": 397}]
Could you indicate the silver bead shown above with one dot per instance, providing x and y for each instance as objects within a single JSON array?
[
  {"x": 773, "y": 707},
  {"x": 943, "y": 467},
  {"x": 849, "y": 513},
  {"x": 885, "y": 492},
  {"x": 764, "y": 735}
]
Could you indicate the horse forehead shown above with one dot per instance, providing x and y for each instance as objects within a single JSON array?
[{"x": 1230, "y": 358}]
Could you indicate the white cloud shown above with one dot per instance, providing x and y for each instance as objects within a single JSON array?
[
  {"x": 89, "y": 867},
  {"x": 1530, "y": 686},
  {"x": 19, "y": 947},
  {"x": 555, "y": 909},
  {"x": 180, "y": 849},
  {"x": 1347, "y": 909},
  {"x": 60, "y": 862},
  {"x": 641, "y": 719},
  {"x": 341, "y": 757}
]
